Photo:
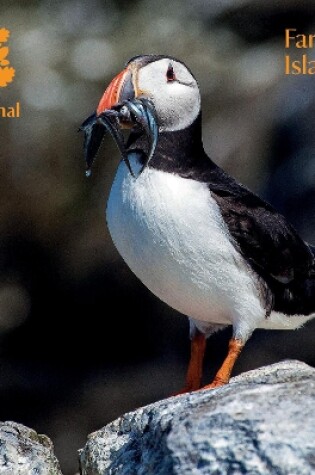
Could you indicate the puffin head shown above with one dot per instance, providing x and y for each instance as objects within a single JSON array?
[
  {"x": 157, "y": 93},
  {"x": 165, "y": 81}
]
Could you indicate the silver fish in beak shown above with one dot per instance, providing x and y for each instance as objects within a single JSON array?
[{"x": 121, "y": 106}]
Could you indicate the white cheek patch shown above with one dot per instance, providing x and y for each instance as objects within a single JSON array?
[{"x": 177, "y": 104}]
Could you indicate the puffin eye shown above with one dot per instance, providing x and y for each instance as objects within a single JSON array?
[{"x": 170, "y": 75}]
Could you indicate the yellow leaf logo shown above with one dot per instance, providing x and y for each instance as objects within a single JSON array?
[
  {"x": 3, "y": 54},
  {"x": 6, "y": 73},
  {"x": 4, "y": 35},
  {"x": 6, "y": 76}
]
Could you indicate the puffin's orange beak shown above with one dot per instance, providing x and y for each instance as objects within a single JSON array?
[
  {"x": 122, "y": 105},
  {"x": 121, "y": 88}
]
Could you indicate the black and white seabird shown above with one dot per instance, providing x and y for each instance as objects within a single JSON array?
[{"x": 200, "y": 241}]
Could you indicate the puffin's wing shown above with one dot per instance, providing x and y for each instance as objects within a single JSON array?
[{"x": 263, "y": 236}]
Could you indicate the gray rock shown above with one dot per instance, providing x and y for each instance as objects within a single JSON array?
[
  {"x": 263, "y": 422},
  {"x": 24, "y": 452}
]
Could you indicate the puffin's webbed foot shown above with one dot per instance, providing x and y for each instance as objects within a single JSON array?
[
  {"x": 223, "y": 375},
  {"x": 194, "y": 372}
]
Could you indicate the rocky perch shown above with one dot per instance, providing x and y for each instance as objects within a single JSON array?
[
  {"x": 24, "y": 452},
  {"x": 263, "y": 422}
]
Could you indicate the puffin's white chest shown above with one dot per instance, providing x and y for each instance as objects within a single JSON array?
[{"x": 170, "y": 232}]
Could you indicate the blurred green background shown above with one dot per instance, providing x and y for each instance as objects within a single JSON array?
[{"x": 81, "y": 339}]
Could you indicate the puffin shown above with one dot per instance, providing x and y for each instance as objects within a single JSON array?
[{"x": 196, "y": 238}]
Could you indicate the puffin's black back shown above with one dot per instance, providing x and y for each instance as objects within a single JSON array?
[{"x": 283, "y": 262}]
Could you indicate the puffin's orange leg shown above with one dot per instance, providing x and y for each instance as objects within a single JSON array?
[
  {"x": 194, "y": 372},
  {"x": 223, "y": 375}
]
